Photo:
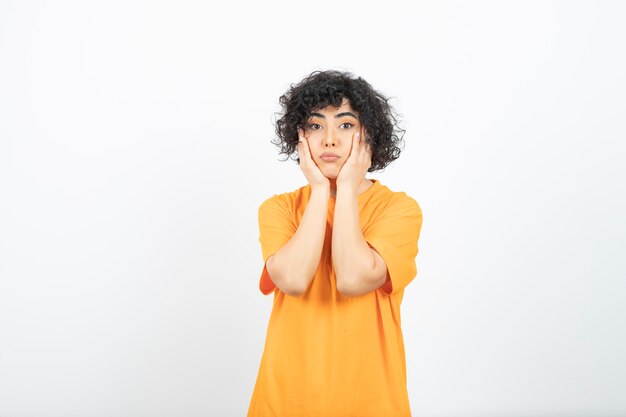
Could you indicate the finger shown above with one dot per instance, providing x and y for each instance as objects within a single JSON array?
[
  {"x": 301, "y": 136},
  {"x": 368, "y": 153},
  {"x": 307, "y": 149},
  {"x": 355, "y": 145},
  {"x": 366, "y": 145},
  {"x": 302, "y": 147},
  {"x": 362, "y": 153},
  {"x": 362, "y": 142}
]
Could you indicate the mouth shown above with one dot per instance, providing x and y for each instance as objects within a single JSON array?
[{"x": 329, "y": 158}]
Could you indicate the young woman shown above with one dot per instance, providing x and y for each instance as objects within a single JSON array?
[{"x": 338, "y": 253}]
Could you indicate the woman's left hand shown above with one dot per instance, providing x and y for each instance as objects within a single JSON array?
[{"x": 354, "y": 169}]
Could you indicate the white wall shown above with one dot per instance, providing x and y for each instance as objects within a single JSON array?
[{"x": 135, "y": 150}]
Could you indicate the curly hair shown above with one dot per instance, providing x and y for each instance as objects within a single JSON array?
[{"x": 324, "y": 88}]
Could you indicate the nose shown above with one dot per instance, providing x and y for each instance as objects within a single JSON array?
[{"x": 330, "y": 139}]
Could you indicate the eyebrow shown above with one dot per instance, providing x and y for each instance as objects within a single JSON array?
[{"x": 346, "y": 113}]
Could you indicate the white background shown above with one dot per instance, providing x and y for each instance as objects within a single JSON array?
[{"x": 135, "y": 150}]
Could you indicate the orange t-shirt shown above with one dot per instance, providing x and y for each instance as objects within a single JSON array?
[{"x": 325, "y": 354}]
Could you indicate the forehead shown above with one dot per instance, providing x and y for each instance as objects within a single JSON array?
[{"x": 331, "y": 110}]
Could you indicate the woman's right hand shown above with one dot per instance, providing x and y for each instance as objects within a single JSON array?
[{"x": 311, "y": 171}]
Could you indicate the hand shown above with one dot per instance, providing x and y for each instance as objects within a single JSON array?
[
  {"x": 311, "y": 171},
  {"x": 359, "y": 161}
]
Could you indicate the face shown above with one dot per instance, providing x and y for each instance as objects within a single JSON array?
[{"x": 330, "y": 131}]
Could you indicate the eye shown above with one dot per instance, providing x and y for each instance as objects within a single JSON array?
[
  {"x": 346, "y": 125},
  {"x": 313, "y": 126}
]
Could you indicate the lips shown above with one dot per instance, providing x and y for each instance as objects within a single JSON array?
[{"x": 329, "y": 157}]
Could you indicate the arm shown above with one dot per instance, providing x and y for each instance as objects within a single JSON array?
[
  {"x": 359, "y": 268},
  {"x": 293, "y": 267}
]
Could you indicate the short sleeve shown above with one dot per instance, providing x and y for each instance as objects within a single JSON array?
[
  {"x": 276, "y": 227},
  {"x": 394, "y": 236}
]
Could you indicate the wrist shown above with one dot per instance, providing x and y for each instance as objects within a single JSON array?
[
  {"x": 347, "y": 191},
  {"x": 347, "y": 187},
  {"x": 321, "y": 189}
]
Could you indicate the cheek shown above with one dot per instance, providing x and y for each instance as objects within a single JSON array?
[
  {"x": 347, "y": 137},
  {"x": 314, "y": 134}
]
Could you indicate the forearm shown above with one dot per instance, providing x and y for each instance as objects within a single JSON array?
[
  {"x": 353, "y": 259},
  {"x": 293, "y": 267}
]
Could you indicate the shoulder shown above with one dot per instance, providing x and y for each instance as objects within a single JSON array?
[
  {"x": 391, "y": 201},
  {"x": 286, "y": 200},
  {"x": 404, "y": 201}
]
